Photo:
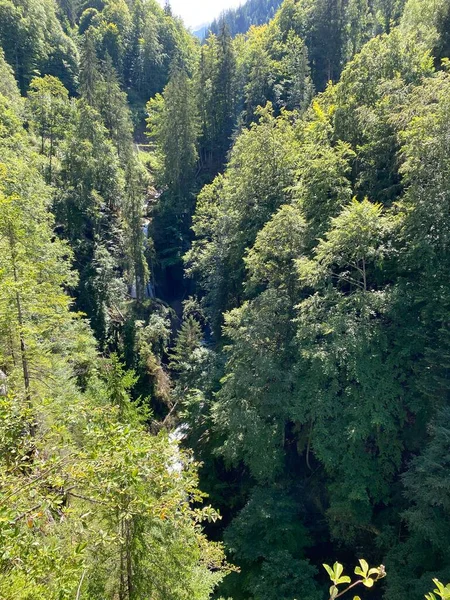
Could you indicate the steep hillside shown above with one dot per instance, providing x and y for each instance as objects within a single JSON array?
[
  {"x": 251, "y": 12},
  {"x": 224, "y": 286}
]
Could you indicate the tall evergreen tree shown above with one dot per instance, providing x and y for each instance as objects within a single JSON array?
[
  {"x": 135, "y": 241},
  {"x": 173, "y": 125},
  {"x": 49, "y": 110},
  {"x": 111, "y": 102},
  {"x": 90, "y": 69},
  {"x": 88, "y": 211}
]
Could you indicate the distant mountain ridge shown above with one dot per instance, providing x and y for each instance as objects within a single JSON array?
[
  {"x": 240, "y": 19},
  {"x": 201, "y": 31}
]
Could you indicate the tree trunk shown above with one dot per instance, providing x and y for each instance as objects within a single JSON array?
[
  {"x": 122, "y": 591},
  {"x": 129, "y": 561},
  {"x": 50, "y": 159},
  {"x": 23, "y": 349}
]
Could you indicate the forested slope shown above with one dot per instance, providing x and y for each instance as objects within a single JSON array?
[
  {"x": 224, "y": 280},
  {"x": 240, "y": 19}
]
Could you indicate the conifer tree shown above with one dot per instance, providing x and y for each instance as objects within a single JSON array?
[
  {"x": 136, "y": 244},
  {"x": 88, "y": 209},
  {"x": 111, "y": 102},
  {"x": 189, "y": 358},
  {"x": 48, "y": 105},
  {"x": 90, "y": 69},
  {"x": 33, "y": 273},
  {"x": 222, "y": 101},
  {"x": 173, "y": 125}
]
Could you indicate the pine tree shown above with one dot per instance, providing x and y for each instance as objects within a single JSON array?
[
  {"x": 182, "y": 356},
  {"x": 138, "y": 271},
  {"x": 88, "y": 209},
  {"x": 173, "y": 125},
  {"x": 112, "y": 105},
  {"x": 223, "y": 99},
  {"x": 90, "y": 70},
  {"x": 33, "y": 273},
  {"x": 49, "y": 108}
]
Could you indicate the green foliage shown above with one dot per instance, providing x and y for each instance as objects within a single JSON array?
[
  {"x": 33, "y": 40},
  {"x": 441, "y": 591},
  {"x": 11, "y": 130},
  {"x": 273, "y": 64},
  {"x": 8, "y": 84},
  {"x": 269, "y": 540},
  {"x": 311, "y": 377},
  {"x": 217, "y": 99},
  {"x": 49, "y": 109},
  {"x": 426, "y": 517},
  {"x": 372, "y": 89},
  {"x": 90, "y": 195},
  {"x": 92, "y": 517},
  {"x": 172, "y": 123},
  {"x": 270, "y": 261},
  {"x": 91, "y": 502},
  {"x": 188, "y": 354},
  {"x": 136, "y": 246},
  {"x": 111, "y": 102},
  {"x": 368, "y": 577},
  {"x": 333, "y": 31},
  {"x": 323, "y": 183},
  {"x": 425, "y": 21},
  {"x": 353, "y": 244},
  {"x": 235, "y": 206},
  {"x": 253, "y": 12},
  {"x": 139, "y": 39},
  {"x": 334, "y": 299},
  {"x": 33, "y": 269}
]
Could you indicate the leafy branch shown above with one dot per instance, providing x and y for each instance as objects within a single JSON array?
[
  {"x": 368, "y": 577},
  {"x": 441, "y": 591}
]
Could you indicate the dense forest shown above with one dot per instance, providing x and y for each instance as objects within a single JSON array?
[
  {"x": 224, "y": 302},
  {"x": 240, "y": 19}
]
